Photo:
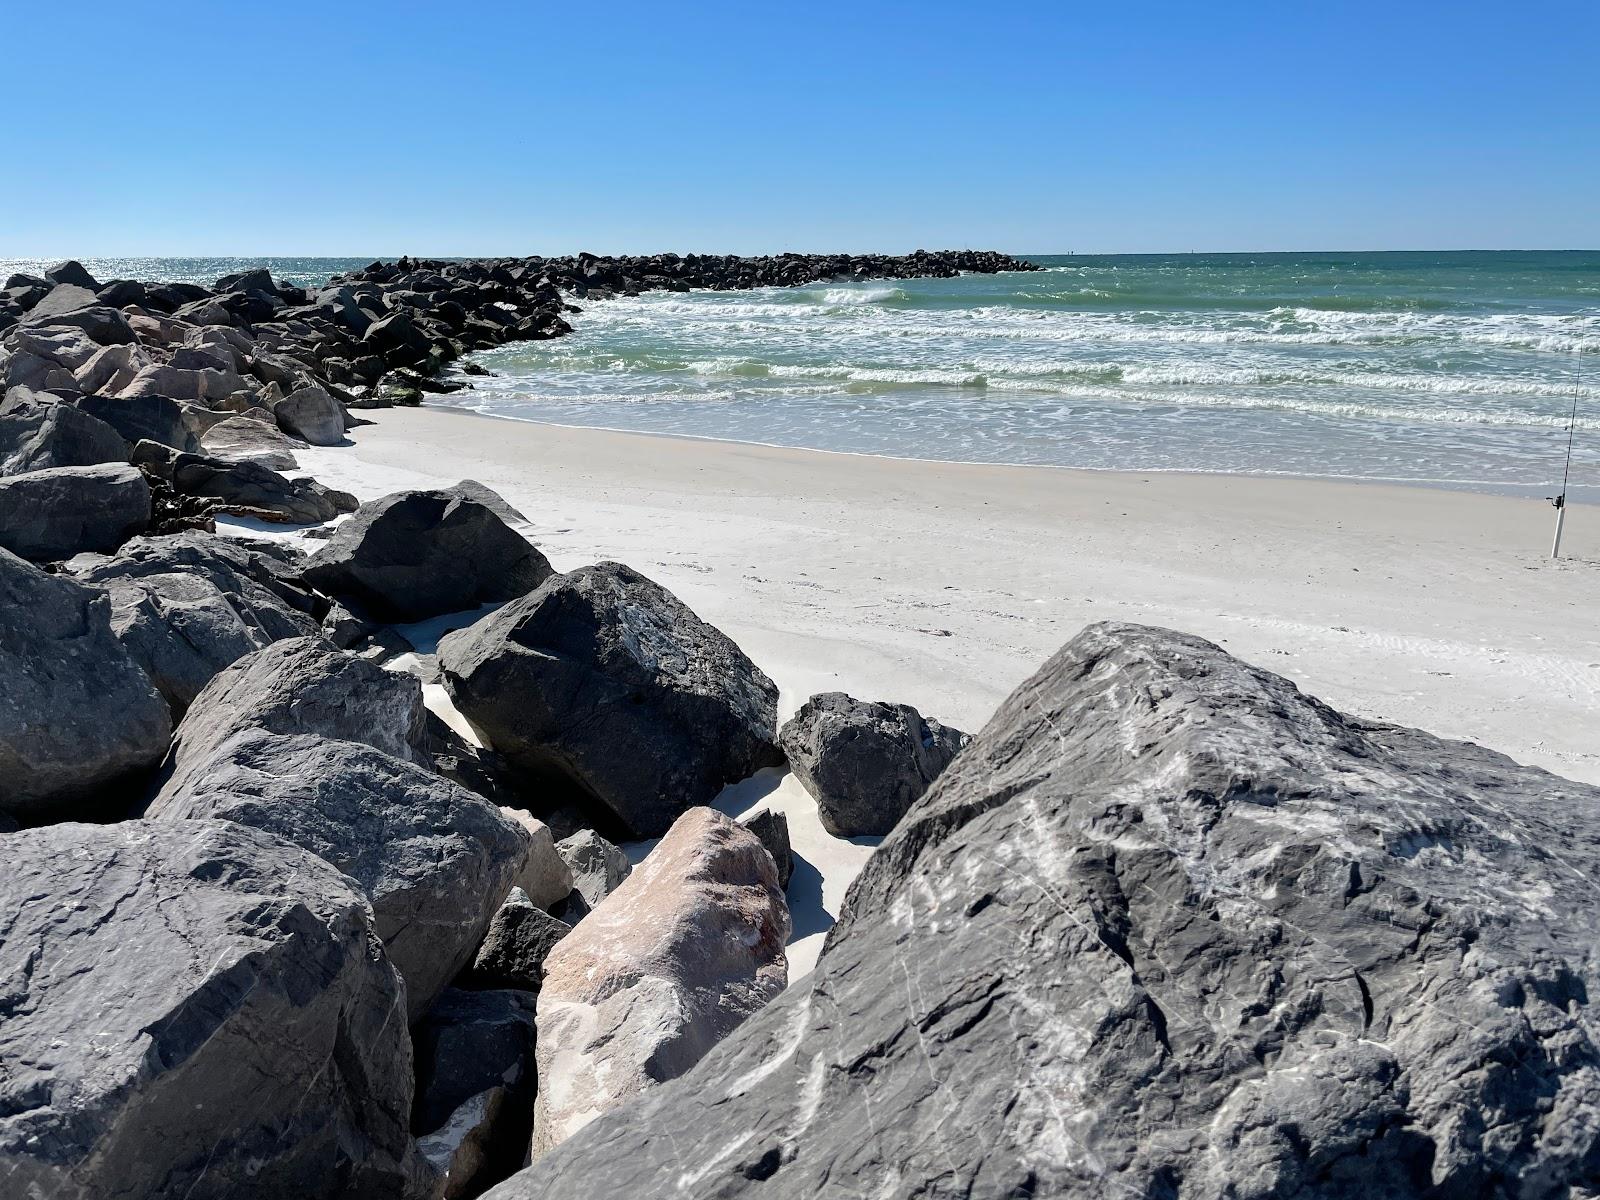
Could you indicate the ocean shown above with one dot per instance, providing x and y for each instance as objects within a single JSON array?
[{"x": 1451, "y": 369}]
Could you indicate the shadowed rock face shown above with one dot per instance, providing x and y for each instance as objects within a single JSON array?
[
  {"x": 686, "y": 948},
  {"x": 61, "y": 511},
  {"x": 76, "y": 714},
  {"x": 605, "y": 679},
  {"x": 199, "y": 1010},
  {"x": 1169, "y": 927}
]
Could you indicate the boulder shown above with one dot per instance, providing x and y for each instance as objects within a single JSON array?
[
  {"x": 435, "y": 860},
  {"x": 546, "y": 879},
  {"x": 1170, "y": 927},
  {"x": 311, "y": 415},
  {"x": 105, "y": 326},
  {"x": 204, "y": 385},
  {"x": 196, "y": 1010},
  {"x": 143, "y": 418},
  {"x": 865, "y": 763},
  {"x": 606, "y": 680},
  {"x": 475, "y": 1080},
  {"x": 596, "y": 869},
  {"x": 414, "y": 555},
  {"x": 247, "y": 437},
  {"x": 64, "y": 345},
  {"x": 73, "y": 272},
  {"x": 298, "y": 685},
  {"x": 246, "y": 488},
  {"x": 772, "y": 828},
  {"x": 189, "y": 604},
  {"x": 61, "y": 511},
  {"x": 37, "y": 433},
  {"x": 62, "y": 299},
  {"x": 688, "y": 947},
  {"x": 77, "y": 716},
  {"x": 398, "y": 340},
  {"x": 520, "y": 937},
  {"x": 112, "y": 368}
]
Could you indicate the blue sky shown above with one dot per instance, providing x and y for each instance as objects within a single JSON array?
[{"x": 356, "y": 128}]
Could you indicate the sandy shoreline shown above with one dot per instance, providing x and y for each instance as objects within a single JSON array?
[{"x": 944, "y": 585}]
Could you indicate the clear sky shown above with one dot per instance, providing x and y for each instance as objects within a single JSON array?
[{"x": 353, "y": 128}]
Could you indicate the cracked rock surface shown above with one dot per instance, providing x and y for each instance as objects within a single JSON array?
[
  {"x": 195, "y": 1009},
  {"x": 1169, "y": 927}
]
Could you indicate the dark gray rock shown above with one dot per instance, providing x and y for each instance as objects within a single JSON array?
[
  {"x": 77, "y": 716},
  {"x": 61, "y": 511},
  {"x": 435, "y": 860},
  {"x": 1170, "y": 927},
  {"x": 189, "y": 604},
  {"x": 597, "y": 867},
  {"x": 38, "y": 432},
  {"x": 476, "y": 1078},
  {"x": 143, "y": 418},
  {"x": 512, "y": 955},
  {"x": 298, "y": 685},
  {"x": 865, "y": 763},
  {"x": 398, "y": 340},
  {"x": 242, "y": 487},
  {"x": 605, "y": 679},
  {"x": 73, "y": 272},
  {"x": 772, "y": 827},
  {"x": 63, "y": 308},
  {"x": 414, "y": 555},
  {"x": 62, "y": 299},
  {"x": 196, "y": 1010}
]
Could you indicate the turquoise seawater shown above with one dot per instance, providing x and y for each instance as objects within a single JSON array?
[{"x": 1454, "y": 369}]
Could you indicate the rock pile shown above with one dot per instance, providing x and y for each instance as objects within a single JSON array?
[{"x": 269, "y": 927}]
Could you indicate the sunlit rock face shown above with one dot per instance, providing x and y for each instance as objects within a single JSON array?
[{"x": 1169, "y": 927}]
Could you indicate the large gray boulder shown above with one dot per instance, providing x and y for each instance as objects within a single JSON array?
[
  {"x": 435, "y": 860},
  {"x": 61, "y": 511},
  {"x": 298, "y": 685},
  {"x": 189, "y": 604},
  {"x": 1170, "y": 927},
  {"x": 604, "y": 679},
  {"x": 77, "y": 716},
  {"x": 195, "y": 1010},
  {"x": 414, "y": 555},
  {"x": 38, "y": 432},
  {"x": 688, "y": 947},
  {"x": 312, "y": 415},
  {"x": 865, "y": 763}
]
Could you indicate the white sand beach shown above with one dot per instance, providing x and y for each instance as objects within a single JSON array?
[{"x": 944, "y": 585}]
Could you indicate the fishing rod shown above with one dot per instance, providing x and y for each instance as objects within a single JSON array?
[{"x": 1560, "y": 499}]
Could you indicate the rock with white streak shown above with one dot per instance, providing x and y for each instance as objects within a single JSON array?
[
  {"x": 1169, "y": 927},
  {"x": 686, "y": 949}
]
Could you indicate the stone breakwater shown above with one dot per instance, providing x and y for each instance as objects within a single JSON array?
[{"x": 270, "y": 927}]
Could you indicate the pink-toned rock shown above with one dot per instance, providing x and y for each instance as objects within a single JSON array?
[{"x": 688, "y": 946}]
